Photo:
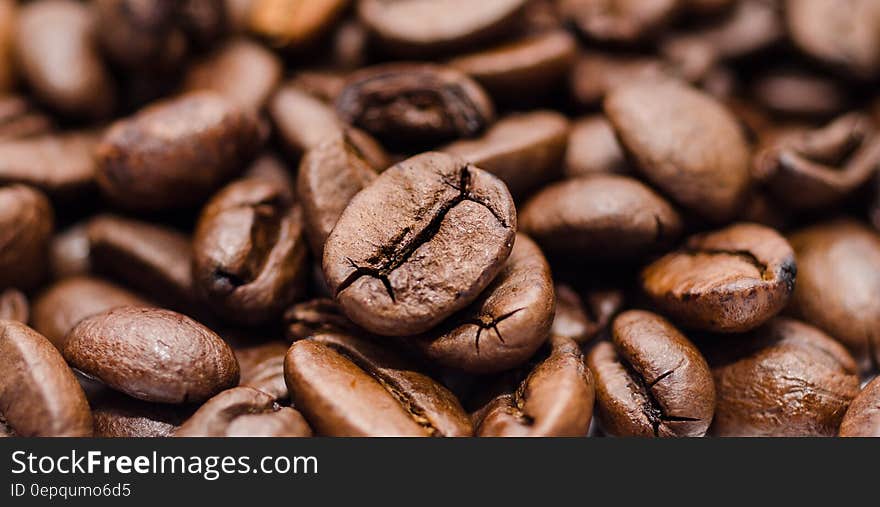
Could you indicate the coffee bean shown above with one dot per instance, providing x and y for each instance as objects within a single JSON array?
[
  {"x": 730, "y": 280},
  {"x": 523, "y": 150},
  {"x": 60, "y": 165},
  {"x": 58, "y": 57},
  {"x": 152, "y": 354},
  {"x": 799, "y": 93},
  {"x": 701, "y": 160},
  {"x": 418, "y": 28},
  {"x": 19, "y": 118},
  {"x": 418, "y": 244},
  {"x": 555, "y": 399},
  {"x": 141, "y": 33},
  {"x": 505, "y": 325},
  {"x": 294, "y": 23},
  {"x": 862, "y": 419},
  {"x": 414, "y": 104},
  {"x": 784, "y": 379},
  {"x": 317, "y": 316},
  {"x": 600, "y": 217},
  {"x": 39, "y": 396},
  {"x": 593, "y": 148},
  {"x": 60, "y": 307},
  {"x": 596, "y": 73},
  {"x": 119, "y": 416},
  {"x": 243, "y": 411},
  {"x": 621, "y": 21},
  {"x": 176, "y": 152},
  {"x": 69, "y": 252},
  {"x": 268, "y": 377},
  {"x": 346, "y": 386},
  {"x": 838, "y": 287},
  {"x": 26, "y": 222},
  {"x": 14, "y": 306},
  {"x": 250, "y": 258},
  {"x": 271, "y": 168},
  {"x": 582, "y": 320},
  {"x": 7, "y": 27},
  {"x": 320, "y": 84}
]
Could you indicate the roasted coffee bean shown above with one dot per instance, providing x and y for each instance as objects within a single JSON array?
[
  {"x": 26, "y": 222},
  {"x": 507, "y": 323},
  {"x": 651, "y": 380},
  {"x": 414, "y": 104},
  {"x": 555, "y": 399},
  {"x": 838, "y": 287},
  {"x": 39, "y": 395},
  {"x": 593, "y": 148},
  {"x": 419, "y": 28},
  {"x": 347, "y": 386},
  {"x": 7, "y": 27},
  {"x": 58, "y": 57},
  {"x": 152, "y": 355},
  {"x": 784, "y": 379},
  {"x": 250, "y": 254},
  {"x": 701, "y": 160},
  {"x": 824, "y": 165},
  {"x": 58, "y": 164},
  {"x": 271, "y": 168},
  {"x": 141, "y": 33},
  {"x": 14, "y": 306},
  {"x": 223, "y": 72},
  {"x": 523, "y": 150},
  {"x": 294, "y": 23},
  {"x": 244, "y": 412},
  {"x": 581, "y": 320},
  {"x": 330, "y": 174},
  {"x": 622, "y": 21},
  {"x": 320, "y": 84},
  {"x": 862, "y": 419},
  {"x": 19, "y": 118},
  {"x": 268, "y": 377},
  {"x": 603, "y": 216},
  {"x": 119, "y": 416},
  {"x": 418, "y": 244},
  {"x": 531, "y": 66},
  {"x": 731, "y": 280},
  {"x": 60, "y": 307},
  {"x": 152, "y": 259},
  {"x": 595, "y": 74},
  {"x": 798, "y": 93},
  {"x": 69, "y": 252},
  {"x": 175, "y": 153},
  {"x": 317, "y": 316}
]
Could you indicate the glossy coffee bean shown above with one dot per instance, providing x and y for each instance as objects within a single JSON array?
[
  {"x": 651, "y": 380},
  {"x": 268, "y": 376},
  {"x": 784, "y": 379},
  {"x": 175, "y": 153},
  {"x": 506, "y": 325},
  {"x": 622, "y": 21},
  {"x": 701, "y": 159},
  {"x": 137, "y": 34},
  {"x": 554, "y": 400},
  {"x": 152, "y": 354},
  {"x": 317, "y": 316},
  {"x": 14, "y": 306},
  {"x": 39, "y": 395},
  {"x": 862, "y": 419},
  {"x": 346, "y": 386},
  {"x": 250, "y": 253},
  {"x": 119, "y": 416},
  {"x": 838, "y": 287},
  {"x": 583, "y": 319},
  {"x": 58, "y": 164},
  {"x": 600, "y": 217},
  {"x": 293, "y": 23},
  {"x": 26, "y": 222},
  {"x": 61, "y": 306},
  {"x": 731, "y": 280},
  {"x": 418, "y": 244},
  {"x": 593, "y": 148},
  {"x": 243, "y": 411}
]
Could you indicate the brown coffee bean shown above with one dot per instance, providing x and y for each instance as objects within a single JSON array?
[
  {"x": 838, "y": 287},
  {"x": 58, "y": 56},
  {"x": 418, "y": 244},
  {"x": 593, "y": 148},
  {"x": 603, "y": 216},
  {"x": 69, "y": 252},
  {"x": 321, "y": 84},
  {"x": 294, "y": 23},
  {"x": 582, "y": 320},
  {"x": 250, "y": 254},
  {"x": 141, "y": 33},
  {"x": 7, "y": 27},
  {"x": 26, "y": 222},
  {"x": 418, "y": 28},
  {"x": 824, "y": 165},
  {"x": 119, "y": 416},
  {"x": 421, "y": 104},
  {"x": 271, "y": 168},
  {"x": 39, "y": 396},
  {"x": 59, "y": 164},
  {"x": 524, "y": 150},
  {"x": 784, "y": 379},
  {"x": 798, "y": 93},
  {"x": 731, "y": 280},
  {"x": 261, "y": 362},
  {"x": 317, "y": 316},
  {"x": 862, "y": 419},
  {"x": 651, "y": 380},
  {"x": 595, "y": 74},
  {"x": 701, "y": 160},
  {"x": 19, "y": 118},
  {"x": 504, "y": 327},
  {"x": 268, "y": 377},
  {"x": 61, "y": 306},
  {"x": 347, "y": 386},
  {"x": 204, "y": 21},
  {"x": 152, "y": 355},
  {"x": 555, "y": 399},
  {"x": 223, "y": 72},
  {"x": 244, "y": 412},
  {"x": 14, "y": 306},
  {"x": 622, "y": 21},
  {"x": 176, "y": 152},
  {"x": 330, "y": 174}
]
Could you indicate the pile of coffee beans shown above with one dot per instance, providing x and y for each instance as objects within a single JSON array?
[{"x": 439, "y": 218}]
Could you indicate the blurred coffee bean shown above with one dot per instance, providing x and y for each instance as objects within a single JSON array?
[
  {"x": 620, "y": 21},
  {"x": 244, "y": 412},
  {"x": 595, "y": 74},
  {"x": 14, "y": 306},
  {"x": 863, "y": 416},
  {"x": 7, "y": 27},
  {"x": 20, "y": 119},
  {"x": 26, "y": 223},
  {"x": 141, "y": 33},
  {"x": 61, "y": 165},
  {"x": 798, "y": 93},
  {"x": 593, "y": 148},
  {"x": 119, "y": 416},
  {"x": 69, "y": 252},
  {"x": 294, "y": 23}
]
